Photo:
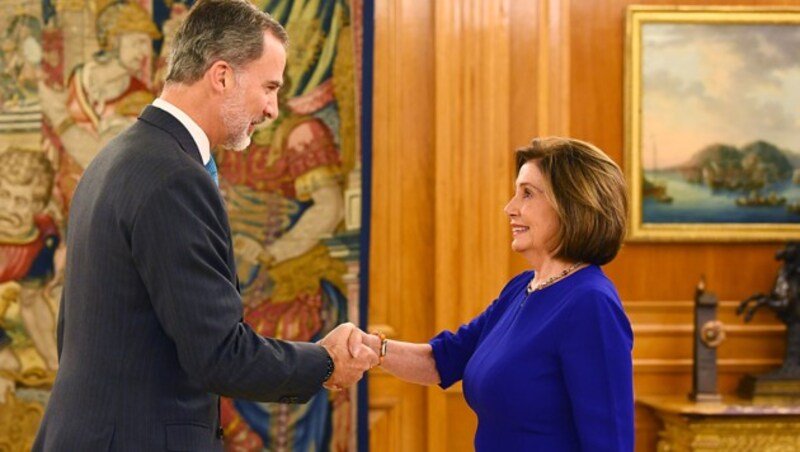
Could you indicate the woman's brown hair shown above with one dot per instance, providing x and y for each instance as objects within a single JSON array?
[{"x": 587, "y": 190}]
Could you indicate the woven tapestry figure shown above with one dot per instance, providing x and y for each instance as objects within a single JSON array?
[
  {"x": 285, "y": 196},
  {"x": 28, "y": 241}
]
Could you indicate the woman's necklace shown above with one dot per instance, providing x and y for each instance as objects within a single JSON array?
[{"x": 531, "y": 288}]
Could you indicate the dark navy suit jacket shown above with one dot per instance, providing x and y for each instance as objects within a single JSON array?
[{"x": 150, "y": 329}]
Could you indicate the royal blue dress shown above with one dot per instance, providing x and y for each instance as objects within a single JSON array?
[{"x": 550, "y": 371}]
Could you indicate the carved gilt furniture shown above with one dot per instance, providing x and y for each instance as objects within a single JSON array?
[{"x": 732, "y": 425}]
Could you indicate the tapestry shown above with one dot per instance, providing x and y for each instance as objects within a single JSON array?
[{"x": 73, "y": 75}]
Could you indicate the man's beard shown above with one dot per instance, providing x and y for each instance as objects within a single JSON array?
[{"x": 236, "y": 122}]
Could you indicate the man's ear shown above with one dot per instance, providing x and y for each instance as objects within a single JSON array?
[{"x": 220, "y": 75}]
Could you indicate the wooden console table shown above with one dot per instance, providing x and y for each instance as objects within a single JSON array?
[{"x": 731, "y": 425}]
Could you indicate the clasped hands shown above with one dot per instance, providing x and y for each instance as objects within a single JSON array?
[{"x": 353, "y": 353}]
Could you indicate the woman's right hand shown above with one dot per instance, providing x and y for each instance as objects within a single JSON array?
[{"x": 373, "y": 341}]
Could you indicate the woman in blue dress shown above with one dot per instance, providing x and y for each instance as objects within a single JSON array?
[{"x": 547, "y": 366}]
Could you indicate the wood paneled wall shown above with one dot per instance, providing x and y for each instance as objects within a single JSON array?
[
  {"x": 401, "y": 286},
  {"x": 459, "y": 84}
]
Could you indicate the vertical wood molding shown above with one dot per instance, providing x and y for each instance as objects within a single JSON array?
[
  {"x": 384, "y": 423},
  {"x": 474, "y": 173},
  {"x": 438, "y": 417},
  {"x": 384, "y": 168},
  {"x": 403, "y": 169},
  {"x": 524, "y": 76},
  {"x": 554, "y": 69},
  {"x": 474, "y": 170},
  {"x": 401, "y": 288}
]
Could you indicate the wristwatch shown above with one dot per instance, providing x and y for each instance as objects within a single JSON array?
[{"x": 330, "y": 370}]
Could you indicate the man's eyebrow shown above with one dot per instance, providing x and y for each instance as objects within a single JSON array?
[{"x": 273, "y": 84}]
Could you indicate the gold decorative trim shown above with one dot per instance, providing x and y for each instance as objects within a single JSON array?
[{"x": 19, "y": 421}]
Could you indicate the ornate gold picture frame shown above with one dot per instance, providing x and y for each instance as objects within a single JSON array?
[{"x": 712, "y": 151}]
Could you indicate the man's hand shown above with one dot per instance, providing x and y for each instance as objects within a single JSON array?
[{"x": 351, "y": 358}]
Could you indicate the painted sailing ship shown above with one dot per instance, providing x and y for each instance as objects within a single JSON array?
[
  {"x": 655, "y": 189},
  {"x": 755, "y": 199}
]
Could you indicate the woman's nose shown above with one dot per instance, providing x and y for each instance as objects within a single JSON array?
[{"x": 509, "y": 208}]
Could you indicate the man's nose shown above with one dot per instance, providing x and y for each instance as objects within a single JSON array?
[{"x": 271, "y": 110}]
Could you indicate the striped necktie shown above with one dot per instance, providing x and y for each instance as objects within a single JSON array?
[{"x": 211, "y": 167}]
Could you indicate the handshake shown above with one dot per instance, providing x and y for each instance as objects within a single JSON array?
[{"x": 353, "y": 352}]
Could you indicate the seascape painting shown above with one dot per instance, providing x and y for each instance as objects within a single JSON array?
[{"x": 713, "y": 151}]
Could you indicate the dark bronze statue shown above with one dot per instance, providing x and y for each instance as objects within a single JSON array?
[{"x": 785, "y": 301}]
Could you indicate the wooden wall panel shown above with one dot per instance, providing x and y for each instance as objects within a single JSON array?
[
  {"x": 403, "y": 169},
  {"x": 473, "y": 177},
  {"x": 664, "y": 271},
  {"x": 459, "y": 85},
  {"x": 401, "y": 288},
  {"x": 662, "y": 353},
  {"x": 473, "y": 158},
  {"x": 384, "y": 423},
  {"x": 526, "y": 59},
  {"x": 462, "y": 422}
]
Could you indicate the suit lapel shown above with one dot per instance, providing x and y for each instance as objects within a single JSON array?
[{"x": 170, "y": 124}]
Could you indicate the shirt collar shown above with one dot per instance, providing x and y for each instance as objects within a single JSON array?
[{"x": 200, "y": 137}]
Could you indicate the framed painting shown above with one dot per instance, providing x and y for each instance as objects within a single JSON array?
[{"x": 712, "y": 149}]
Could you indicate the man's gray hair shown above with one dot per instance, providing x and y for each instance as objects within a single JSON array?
[{"x": 226, "y": 30}]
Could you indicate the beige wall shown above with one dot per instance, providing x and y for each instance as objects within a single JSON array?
[{"x": 458, "y": 85}]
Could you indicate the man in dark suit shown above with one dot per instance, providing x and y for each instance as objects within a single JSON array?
[{"x": 150, "y": 328}]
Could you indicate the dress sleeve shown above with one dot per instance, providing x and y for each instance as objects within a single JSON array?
[
  {"x": 598, "y": 373},
  {"x": 452, "y": 351}
]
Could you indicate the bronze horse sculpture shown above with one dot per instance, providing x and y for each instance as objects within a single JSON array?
[{"x": 785, "y": 301}]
